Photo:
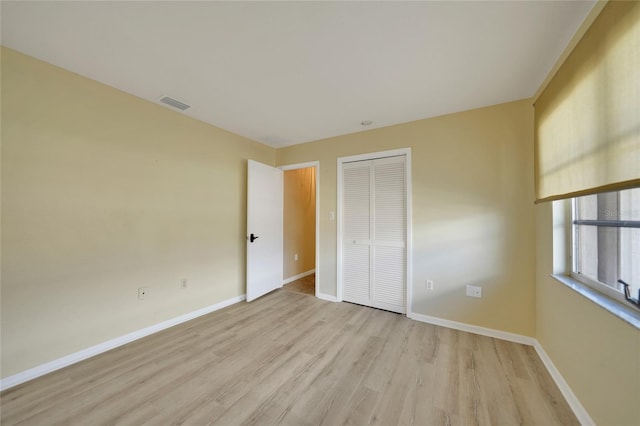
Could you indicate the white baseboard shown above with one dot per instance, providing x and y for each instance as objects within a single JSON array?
[
  {"x": 41, "y": 370},
  {"x": 489, "y": 332},
  {"x": 572, "y": 400},
  {"x": 580, "y": 412},
  {"x": 32, "y": 373},
  {"x": 327, "y": 297},
  {"x": 297, "y": 277}
]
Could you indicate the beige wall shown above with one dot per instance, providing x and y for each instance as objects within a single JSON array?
[
  {"x": 299, "y": 221},
  {"x": 596, "y": 353},
  {"x": 472, "y": 217},
  {"x": 102, "y": 193}
]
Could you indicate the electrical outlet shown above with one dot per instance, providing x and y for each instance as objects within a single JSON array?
[
  {"x": 142, "y": 293},
  {"x": 295, "y": 257},
  {"x": 429, "y": 284},
  {"x": 184, "y": 283},
  {"x": 473, "y": 291}
]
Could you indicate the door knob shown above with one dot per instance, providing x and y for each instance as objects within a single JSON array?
[{"x": 252, "y": 238}]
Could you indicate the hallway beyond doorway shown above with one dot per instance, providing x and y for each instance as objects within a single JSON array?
[{"x": 306, "y": 285}]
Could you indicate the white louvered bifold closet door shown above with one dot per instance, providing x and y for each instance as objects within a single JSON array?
[
  {"x": 356, "y": 253},
  {"x": 374, "y": 231}
]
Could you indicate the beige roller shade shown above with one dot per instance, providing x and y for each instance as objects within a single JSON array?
[{"x": 588, "y": 117}]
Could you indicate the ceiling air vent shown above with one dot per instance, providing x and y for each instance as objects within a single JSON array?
[{"x": 174, "y": 103}]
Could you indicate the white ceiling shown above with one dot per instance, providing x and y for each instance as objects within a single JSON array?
[{"x": 284, "y": 73}]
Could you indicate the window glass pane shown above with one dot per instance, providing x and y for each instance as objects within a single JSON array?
[
  {"x": 608, "y": 255},
  {"x": 587, "y": 251},
  {"x": 608, "y": 206},
  {"x": 630, "y": 258},
  {"x": 630, "y": 204},
  {"x": 605, "y": 253},
  {"x": 588, "y": 207},
  {"x": 630, "y": 240}
]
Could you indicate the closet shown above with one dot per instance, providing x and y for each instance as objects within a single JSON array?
[{"x": 374, "y": 232}]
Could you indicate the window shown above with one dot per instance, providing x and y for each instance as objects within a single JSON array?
[{"x": 606, "y": 242}]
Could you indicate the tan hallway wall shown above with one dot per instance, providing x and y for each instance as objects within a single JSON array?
[
  {"x": 472, "y": 210},
  {"x": 103, "y": 193},
  {"x": 299, "y": 221}
]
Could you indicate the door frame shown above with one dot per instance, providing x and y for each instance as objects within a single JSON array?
[
  {"x": 306, "y": 165},
  {"x": 408, "y": 218}
]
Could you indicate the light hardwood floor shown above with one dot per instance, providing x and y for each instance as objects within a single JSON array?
[
  {"x": 288, "y": 358},
  {"x": 305, "y": 285}
]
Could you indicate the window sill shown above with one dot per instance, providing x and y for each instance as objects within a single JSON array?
[{"x": 628, "y": 314}]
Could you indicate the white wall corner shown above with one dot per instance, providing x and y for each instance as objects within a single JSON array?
[
  {"x": 578, "y": 409},
  {"x": 49, "y": 367},
  {"x": 327, "y": 297}
]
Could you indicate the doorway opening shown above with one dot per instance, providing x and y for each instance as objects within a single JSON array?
[{"x": 300, "y": 228}]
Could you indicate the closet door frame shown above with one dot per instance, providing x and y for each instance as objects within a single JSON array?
[{"x": 340, "y": 212}]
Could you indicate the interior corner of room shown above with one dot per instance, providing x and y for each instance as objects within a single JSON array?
[{"x": 121, "y": 217}]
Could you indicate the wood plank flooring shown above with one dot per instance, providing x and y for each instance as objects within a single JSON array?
[
  {"x": 306, "y": 285},
  {"x": 291, "y": 359}
]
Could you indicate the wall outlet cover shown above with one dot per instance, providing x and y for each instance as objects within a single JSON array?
[{"x": 474, "y": 291}]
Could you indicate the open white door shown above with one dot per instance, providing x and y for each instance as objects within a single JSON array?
[{"x": 264, "y": 229}]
